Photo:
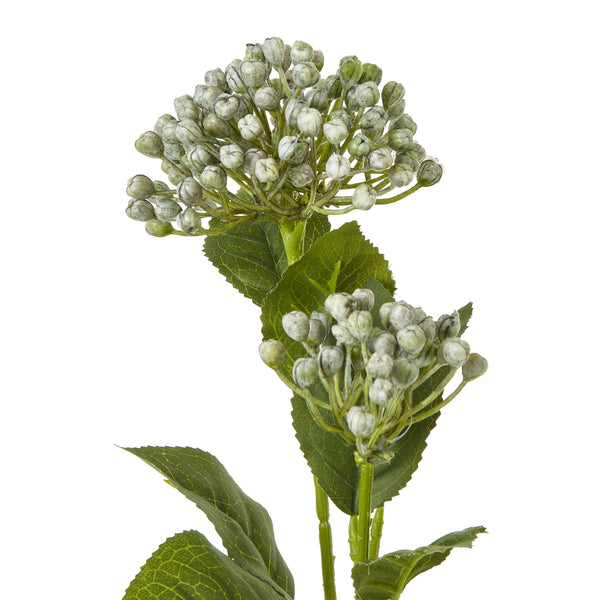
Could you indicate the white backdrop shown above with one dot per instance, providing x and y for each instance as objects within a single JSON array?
[{"x": 111, "y": 337}]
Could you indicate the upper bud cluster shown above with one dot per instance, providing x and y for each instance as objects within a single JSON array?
[{"x": 268, "y": 133}]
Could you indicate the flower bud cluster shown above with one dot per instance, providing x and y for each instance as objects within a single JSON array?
[
  {"x": 368, "y": 360},
  {"x": 269, "y": 134}
]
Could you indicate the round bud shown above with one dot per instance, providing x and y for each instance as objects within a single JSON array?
[
  {"x": 430, "y": 172},
  {"x": 475, "y": 367},
  {"x": 292, "y": 150},
  {"x": 213, "y": 177},
  {"x": 454, "y": 352},
  {"x": 379, "y": 365},
  {"x": 317, "y": 331},
  {"x": 232, "y": 156},
  {"x": 150, "y": 144},
  {"x": 323, "y": 317},
  {"x": 140, "y": 187},
  {"x": 400, "y": 176},
  {"x": 274, "y": 50},
  {"x": 404, "y": 121},
  {"x": 429, "y": 327},
  {"x": 343, "y": 335},
  {"x": 250, "y": 127},
  {"x": 190, "y": 222},
  {"x": 309, "y": 121},
  {"x": 189, "y": 191},
  {"x": 272, "y": 353},
  {"x": 305, "y": 74},
  {"x": 367, "y": 94},
  {"x": 372, "y": 73},
  {"x": 331, "y": 359},
  {"x": 400, "y": 140},
  {"x": 381, "y": 392},
  {"x": 361, "y": 422},
  {"x": 404, "y": 372},
  {"x": 359, "y": 146},
  {"x": 215, "y": 78},
  {"x": 305, "y": 372},
  {"x": 250, "y": 157},
  {"x": 254, "y": 52},
  {"x": 159, "y": 228},
  {"x": 381, "y": 159},
  {"x": 337, "y": 167},
  {"x": 233, "y": 76},
  {"x": 340, "y": 305},
  {"x": 382, "y": 341},
  {"x": 214, "y": 126},
  {"x": 226, "y": 106},
  {"x": 318, "y": 59},
  {"x": 169, "y": 132},
  {"x": 266, "y": 170},
  {"x": 186, "y": 108},
  {"x": 364, "y": 196},
  {"x": 360, "y": 325},
  {"x": 160, "y": 124},
  {"x": 373, "y": 121},
  {"x": 365, "y": 299},
  {"x": 301, "y": 175},
  {"x": 266, "y": 98},
  {"x": 317, "y": 98},
  {"x": 296, "y": 325},
  {"x": 411, "y": 339},
  {"x": 391, "y": 93},
  {"x": 188, "y": 132},
  {"x": 206, "y": 95},
  {"x": 301, "y": 52},
  {"x": 400, "y": 315},
  {"x": 349, "y": 71},
  {"x": 426, "y": 356},
  {"x": 253, "y": 72},
  {"x": 167, "y": 209},
  {"x": 448, "y": 326},
  {"x": 333, "y": 87},
  {"x": 140, "y": 210},
  {"x": 335, "y": 131}
]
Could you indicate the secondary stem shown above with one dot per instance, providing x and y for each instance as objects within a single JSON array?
[
  {"x": 326, "y": 543},
  {"x": 364, "y": 508}
]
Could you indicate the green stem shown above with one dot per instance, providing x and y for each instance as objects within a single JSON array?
[
  {"x": 326, "y": 543},
  {"x": 364, "y": 507},
  {"x": 376, "y": 530},
  {"x": 292, "y": 234}
]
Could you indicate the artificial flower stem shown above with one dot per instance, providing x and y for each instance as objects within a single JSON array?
[
  {"x": 376, "y": 530},
  {"x": 326, "y": 543},
  {"x": 364, "y": 507}
]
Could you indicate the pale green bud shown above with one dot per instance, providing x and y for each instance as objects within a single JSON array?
[
  {"x": 351, "y": 100},
  {"x": 305, "y": 372},
  {"x": 426, "y": 356},
  {"x": 382, "y": 341},
  {"x": 160, "y": 123},
  {"x": 254, "y": 52},
  {"x": 188, "y": 132},
  {"x": 167, "y": 209},
  {"x": 140, "y": 210},
  {"x": 335, "y": 131},
  {"x": 215, "y": 78},
  {"x": 159, "y": 228},
  {"x": 150, "y": 144},
  {"x": 360, "y": 325},
  {"x": 400, "y": 315},
  {"x": 333, "y": 87},
  {"x": 364, "y": 197},
  {"x": 250, "y": 157},
  {"x": 323, "y": 317},
  {"x": 404, "y": 121},
  {"x": 302, "y": 52},
  {"x": 381, "y": 391},
  {"x": 448, "y": 326},
  {"x": 216, "y": 127},
  {"x": 175, "y": 177},
  {"x": 186, "y": 108},
  {"x": 309, "y": 121},
  {"x": 317, "y": 331},
  {"x": 250, "y": 127},
  {"x": 305, "y": 74},
  {"x": 400, "y": 140},
  {"x": 350, "y": 71},
  {"x": 381, "y": 159},
  {"x": 189, "y": 191},
  {"x": 200, "y": 157},
  {"x": 301, "y": 175},
  {"x": 359, "y": 146},
  {"x": 140, "y": 187},
  {"x": 365, "y": 299},
  {"x": 400, "y": 176},
  {"x": 206, "y": 95},
  {"x": 475, "y": 367},
  {"x": 404, "y": 372},
  {"x": 419, "y": 151},
  {"x": 287, "y": 58},
  {"x": 429, "y": 327},
  {"x": 373, "y": 121},
  {"x": 318, "y": 99},
  {"x": 430, "y": 172},
  {"x": 343, "y": 335},
  {"x": 231, "y": 156},
  {"x": 411, "y": 338},
  {"x": 337, "y": 167},
  {"x": 213, "y": 177},
  {"x": 226, "y": 106},
  {"x": 274, "y": 50},
  {"x": 174, "y": 152},
  {"x": 371, "y": 72},
  {"x": 379, "y": 365},
  {"x": 356, "y": 358},
  {"x": 391, "y": 93},
  {"x": 454, "y": 352},
  {"x": 245, "y": 108},
  {"x": 340, "y": 305},
  {"x": 253, "y": 72},
  {"x": 396, "y": 110},
  {"x": 318, "y": 59},
  {"x": 233, "y": 76},
  {"x": 267, "y": 98},
  {"x": 266, "y": 170},
  {"x": 367, "y": 94},
  {"x": 272, "y": 353},
  {"x": 190, "y": 222},
  {"x": 331, "y": 359},
  {"x": 169, "y": 132},
  {"x": 361, "y": 422},
  {"x": 296, "y": 325}
]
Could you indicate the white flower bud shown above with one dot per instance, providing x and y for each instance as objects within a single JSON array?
[
  {"x": 430, "y": 172},
  {"x": 140, "y": 187},
  {"x": 267, "y": 98},
  {"x": 174, "y": 152},
  {"x": 475, "y": 367},
  {"x": 365, "y": 298},
  {"x": 292, "y": 108},
  {"x": 250, "y": 157},
  {"x": 233, "y": 76},
  {"x": 400, "y": 140},
  {"x": 226, "y": 106},
  {"x": 206, "y": 95},
  {"x": 404, "y": 372},
  {"x": 382, "y": 341},
  {"x": 367, "y": 94},
  {"x": 266, "y": 170},
  {"x": 305, "y": 74},
  {"x": 232, "y": 156},
  {"x": 411, "y": 339},
  {"x": 429, "y": 327},
  {"x": 254, "y": 73},
  {"x": 150, "y": 144},
  {"x": 140, "y": 210},
  {"x": 323, "y": 317},
  {"x": 189, "y": 191},
  {"x": 309, "y": 121},
  {"x": 186, "y": 108},
  {"x": 426, "y": 356},
  {"x": 167, "y": 209},
  {"x": 305, "y": 372},
  {"x": 296, "y": 325},
  {"x": 340, "y": 305},
  {"x": 190, "y": 222},
  {"x": 381, "y": 159},
  {"x": 250, "y": 127},
  {"x": 448, "y": 326},
  {"x": 349, "y": 71},
  {"x": 169, "y": 132},
  {"x": 400, "y": 176},
  {"x": 317, "y": 98},
  {"x": 364, "y": 196},
  {"x": 360, "y": 325},
  {"x": 272, "y": 353},
  {"x": 337, "y": 166},
  {"x": 161, "y": 122},
  {"x": 216, "y": 127},
  {"x": 381, "y": 392},
  {"x": 213, "y": 177},
  {"x": 379, "y": 365},
  {"x": 188, "y": 132},
  {"x": 302, "y": 52},
  {"x": 335, "y": 131},
  {"x": 292, "y": 150},
  {"x": 317, "y": 332},
  {"x": 454, "y": 352},
  {"x": 343, "y": 335},
  {"x": 400, "y": 315},
  {"x": 274, "y": 50},
  {"x": 373, "y": 121},
  {"x": 215, "y": 78},
  {"x": 331, "y": 359},
  {"x": 361, "y": 422},
  {"x": 318, "y": 59},
  {"x": 359, "y": 146},
  {"x": 159, "y": 228},
  {"x": 301, "y": 175}
]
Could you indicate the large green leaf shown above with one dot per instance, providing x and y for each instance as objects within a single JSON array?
[
  {"x": 386, "y": 577},
  {"x": 252, "y": 257},
  {"x": 188, "y": 567},
  {"x": 244, "y": 525}
]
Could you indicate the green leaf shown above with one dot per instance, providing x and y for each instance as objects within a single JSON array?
[
  {"x": 386, "y": 577},
  {"x": 252, "y": 257},
  {"x": 244, "y": 525},
  {"x": 188, "y": 567},
  {"x": 465, "y": 314}
]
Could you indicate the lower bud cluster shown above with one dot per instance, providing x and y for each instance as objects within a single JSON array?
[{"x": 370, "y": 372}]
